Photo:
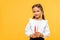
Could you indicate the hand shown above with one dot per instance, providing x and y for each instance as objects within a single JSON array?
[
  {"x": 37, "y": 34},
  {"x": 33, "y": 36}
]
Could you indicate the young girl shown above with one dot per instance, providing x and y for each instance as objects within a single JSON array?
[{"x": 37, "y": 27}]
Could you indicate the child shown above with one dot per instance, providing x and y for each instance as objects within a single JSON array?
[{"x": 37, "y": 27}]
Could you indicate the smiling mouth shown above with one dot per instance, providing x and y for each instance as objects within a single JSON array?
[{"x": 36, "y": 15}]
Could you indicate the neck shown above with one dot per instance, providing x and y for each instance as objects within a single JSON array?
[{"x": 38, "y": 18}]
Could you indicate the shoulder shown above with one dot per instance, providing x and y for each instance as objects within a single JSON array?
[
  {"x": 30, "y": 20},
  {"x": 45, "y": 21}
]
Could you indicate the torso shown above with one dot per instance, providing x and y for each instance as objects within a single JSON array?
[{"x": 40, "y": 24}]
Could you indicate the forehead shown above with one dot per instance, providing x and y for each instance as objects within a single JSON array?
[{"x": 35, "y": 8}]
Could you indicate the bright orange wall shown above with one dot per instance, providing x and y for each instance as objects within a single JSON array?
[{"x": 14, "y": 15}]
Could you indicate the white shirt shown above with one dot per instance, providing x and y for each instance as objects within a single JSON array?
[{"x": 41, "y": 26}]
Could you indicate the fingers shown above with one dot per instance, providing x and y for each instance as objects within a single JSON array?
[
  {"x": 32, "y": 36},
  {"x": 37, "y": 34}
]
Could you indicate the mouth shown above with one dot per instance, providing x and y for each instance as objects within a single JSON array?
[{"x": 36, "y": 15}]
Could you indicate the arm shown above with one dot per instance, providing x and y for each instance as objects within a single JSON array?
[
  {"x": 46, "y": 32},
  {"x": 28, "y": 31}
]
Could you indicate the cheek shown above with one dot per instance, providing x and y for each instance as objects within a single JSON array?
[{"x": 38, "y": 14}]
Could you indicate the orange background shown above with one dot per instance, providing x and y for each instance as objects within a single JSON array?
[{"x": 14, "y": 15}]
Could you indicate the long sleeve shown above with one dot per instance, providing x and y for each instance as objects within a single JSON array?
[
  {"x": 46, "y": 32},
  {"x": 28, "y": 30}
]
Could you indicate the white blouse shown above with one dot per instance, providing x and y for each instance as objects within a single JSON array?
[{"x": 41, "y": 26}]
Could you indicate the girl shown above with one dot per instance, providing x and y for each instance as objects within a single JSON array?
[{"x": 37, "y": 27}]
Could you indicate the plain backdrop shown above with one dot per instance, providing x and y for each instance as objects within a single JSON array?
[{"x": 15, "y": 14}]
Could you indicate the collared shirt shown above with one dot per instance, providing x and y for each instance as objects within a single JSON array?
[{"x": 41, "y": 26}]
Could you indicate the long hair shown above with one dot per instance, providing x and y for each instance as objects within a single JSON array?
[{"x": 41, "y": 8}]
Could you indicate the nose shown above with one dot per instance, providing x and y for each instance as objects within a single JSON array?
[{"x": 36, "y": 12}]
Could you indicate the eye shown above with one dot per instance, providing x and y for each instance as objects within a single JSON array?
[
  {"x": 37, "y": 10},
  {"x": 33, "y": 11}
]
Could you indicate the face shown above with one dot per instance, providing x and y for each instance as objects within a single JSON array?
[{"x": 37, "y": 12}]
